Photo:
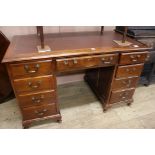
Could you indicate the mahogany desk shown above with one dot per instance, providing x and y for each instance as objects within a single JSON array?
[{"x": 111, "y": 71}]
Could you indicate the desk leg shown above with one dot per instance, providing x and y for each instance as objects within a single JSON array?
[{"x": 26, "y": 124}]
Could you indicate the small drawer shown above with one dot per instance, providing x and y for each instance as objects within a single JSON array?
[
  {"x": 118, "y": 96},
  {"x": 77, "y": 63},
  {"x": 39, "y": 111},
  {"x": 35, "y": 84},
  {"x": 36, "y": 99},
  {"x": 129, "y": 71},
  {"x": 132, "y": 58},
  {"x": 29, "y": 69},
  {"x": 125, "y": 83}
]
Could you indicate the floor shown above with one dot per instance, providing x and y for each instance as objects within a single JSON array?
[{"x": 81, "y": 109}]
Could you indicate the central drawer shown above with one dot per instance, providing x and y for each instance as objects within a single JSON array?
[
  {"x": 39, "y": 111},
  {"x": 76, "y": 63},
  {"x": 35, "y": 84}
]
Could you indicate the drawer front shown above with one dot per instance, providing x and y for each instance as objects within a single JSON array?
[
  {"x": 37, "y": 99},
  {"x": 125, "y": 83},
  {"x": 30, "y": 69},
  {"x": 129, "y": 71},
  {"x": 39, "y": 111},
  {"x": 35, "y": 84},
  {"x": 117, "y": 96},
  {"x": 86, "y": 62},
  {"x": 131, "y": 58}
]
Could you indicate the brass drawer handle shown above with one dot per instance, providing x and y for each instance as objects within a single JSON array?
[
  {"x": 34, "y": 86},
  {"x": 40, "y": 113},
  {"x": 111, "y": 58},
  {"x": 65, "y": 62},
  {"x": 135, "y": 58},
  {"x": 131, "y": 69},
  {"x": 27, "y": 68},
  {"x": 147, "y": 57},
  {"x": 75, "y": 61},
  {"x": 37, "y": 100},
  {"x": 105, "y": 62},
  {"x": 127, "y": 83},
  {"x": 124, "y": 95}
]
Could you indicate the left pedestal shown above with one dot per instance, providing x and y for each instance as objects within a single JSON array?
[{"x": 34, "y": 84}]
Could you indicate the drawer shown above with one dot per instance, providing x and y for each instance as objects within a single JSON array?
[
  {"x": 129, "y": 71},
  {"x": 125, "y": 83},
  {"x": 36, "y": 99},
  {"x": 131, "y": 58},
  {"x": 39, "y": 111},
  {"x": 35, "y": 84},
  {"x": 31, "y": 69},
  {"x": 117, "y": 96},
  {"x": 76, "y": 63}
]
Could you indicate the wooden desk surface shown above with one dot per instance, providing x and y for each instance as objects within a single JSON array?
[{"x": 24, "y": 47}]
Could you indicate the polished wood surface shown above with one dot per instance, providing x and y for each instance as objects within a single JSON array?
[
  {"x": 34, "y": 84},
  {"x": 125, "y": 83},
  {"x": 133, "y": 58},
  {"x": 68, "y": 44},
  {"x": 39, "y": 98},
  {"x": 129, "y": 70},
  {"x": 39, "y": 111},
  {"x": 111, "y": 71},
  {"x": 118, "y": 96}
]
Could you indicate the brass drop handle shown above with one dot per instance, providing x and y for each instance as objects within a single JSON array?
[
  {"x": 128, "y": 83},
  {"x": 65, "y": 62},
  {"x": 37, "y": 100},
  {"x": 34, "y": 86},
  {"x": 111, "y": 58},
  {"x": 105, "y": 62},
  {"x": 131, "y": 70},
  {"x": 135, "y": 58},
  {"x": 124, "y": 95},
  {"x": 40, "y": 113},
  {"x": 147, "y": 57},
  {"x": 75, "y": 61},
  {"x": 27, "y": 68}
]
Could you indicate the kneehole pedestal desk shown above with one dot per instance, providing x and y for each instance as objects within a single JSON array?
[{"x": 111, "y": 71}]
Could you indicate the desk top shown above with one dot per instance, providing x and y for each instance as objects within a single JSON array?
[{"x": 24, "y": 47}]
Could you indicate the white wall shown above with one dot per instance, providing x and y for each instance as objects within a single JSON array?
[{"x": 10, "y": 31}]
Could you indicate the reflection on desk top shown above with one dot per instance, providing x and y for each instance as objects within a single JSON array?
[{"x": 24, "y": 47}]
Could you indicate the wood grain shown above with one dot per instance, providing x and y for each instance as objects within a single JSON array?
[
  {"x": 68, "y": 44},
  {"x": 78, "y": 63},
  {"x": 39, "y": 111},
  {"x": 133, "y": 58},
  {"x": 129, "y": 70},
  {"x": 35, "y": 84},
  {"x": 31, "y": 69},
  {"x": 36, "y": 99},
  {"x": 117, "y": 96}
]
